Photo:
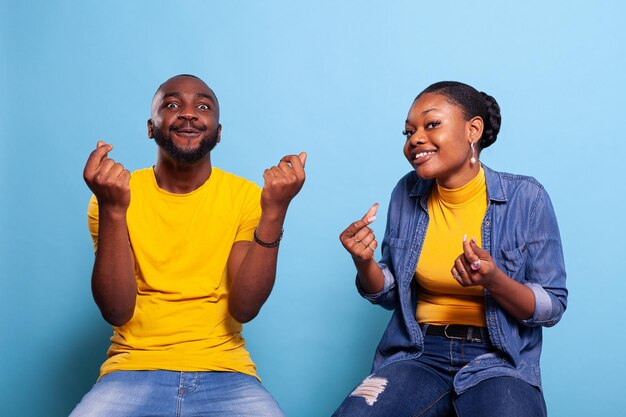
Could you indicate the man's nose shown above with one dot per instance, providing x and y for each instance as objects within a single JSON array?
[{"x": 187, "y": 113}]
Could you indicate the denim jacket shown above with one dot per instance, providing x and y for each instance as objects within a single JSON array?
[{"x": 520, "y": 232}]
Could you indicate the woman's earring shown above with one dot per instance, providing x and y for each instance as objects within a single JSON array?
[{"x": 473, "y": 158}]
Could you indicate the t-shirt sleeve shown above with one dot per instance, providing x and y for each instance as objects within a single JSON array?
[
  {"x": 250, "y": 213},
  {"x": 92, "y": 220}
]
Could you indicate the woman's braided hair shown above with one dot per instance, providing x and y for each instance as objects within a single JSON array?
[{"x": 473, "y": 103}]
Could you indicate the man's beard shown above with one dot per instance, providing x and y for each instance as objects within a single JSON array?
[{"x": 166, "y": 143}]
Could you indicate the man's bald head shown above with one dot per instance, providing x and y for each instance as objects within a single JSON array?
[
  {"x": 170, "y": 87},
  {"x": 185, "y": 119}
]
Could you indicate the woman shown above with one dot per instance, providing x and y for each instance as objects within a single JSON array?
[{"x": 471, "y": 263}]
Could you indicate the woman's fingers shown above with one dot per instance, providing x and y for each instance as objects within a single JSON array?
[
  {"x": 460, "y": 272},
  {"x": 358, "y": 238},
  {"x": 358, "y": 225},
  {"x": 370, "y": 216}
]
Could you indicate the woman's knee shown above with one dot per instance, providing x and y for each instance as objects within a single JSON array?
[
  {"x": 501, "y": 396},
  {"x": 402, "y": 389}
]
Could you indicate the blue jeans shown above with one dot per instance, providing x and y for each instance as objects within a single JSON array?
[
  {"x": 170, "y": 393},
  {"x": 424, "y": 387}
]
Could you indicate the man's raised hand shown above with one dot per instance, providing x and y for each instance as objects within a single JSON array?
[
  {"x": 108, "y": 180},
  {"x": 283, "y": 182}
]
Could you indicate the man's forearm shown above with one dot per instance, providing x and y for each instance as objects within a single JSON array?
[
  {"x": 252, "y": 266},
  {"x": 113, "y": 279},
  {"x": 254, "y": 280}
]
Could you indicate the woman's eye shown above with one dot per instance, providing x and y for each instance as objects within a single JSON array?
[
  {"x": 203, "y": 107},
  {"x": 408, "y": 133},
  {"x": 171, "y": 105},
  {"x": 430, "y": 125}
]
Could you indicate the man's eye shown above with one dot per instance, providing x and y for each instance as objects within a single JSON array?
[
  {"x": 171, "y": 105},
  {"x": 408, "y": 133},
  {"x": 203, "y": 107}
]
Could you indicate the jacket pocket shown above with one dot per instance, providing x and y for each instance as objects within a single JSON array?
[{"x": 512, "y": 260}]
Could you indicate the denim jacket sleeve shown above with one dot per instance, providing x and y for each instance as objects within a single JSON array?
[
  {"x": 545, "y": 269},
  {"x": 388, "y": 296}
]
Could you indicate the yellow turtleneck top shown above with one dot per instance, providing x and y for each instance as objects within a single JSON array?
[{"x": 453, "y": 214}]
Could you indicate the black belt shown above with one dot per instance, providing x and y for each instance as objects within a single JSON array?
[{"x": 457, "y": 331}]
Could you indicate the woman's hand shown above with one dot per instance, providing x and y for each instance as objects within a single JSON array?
[
  {"x": 474, "y": 266},
  {"x": 359, "y": 239}
]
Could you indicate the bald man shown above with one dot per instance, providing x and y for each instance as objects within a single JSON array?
[{"x": 185, "y": 253}]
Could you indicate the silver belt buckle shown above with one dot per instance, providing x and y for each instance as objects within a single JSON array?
[
  {"x": 445, "y": 332},
  {"x": 469, "y": 337}
]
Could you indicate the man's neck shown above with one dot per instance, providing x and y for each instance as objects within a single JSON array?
[{"x": 181, "y": 178}]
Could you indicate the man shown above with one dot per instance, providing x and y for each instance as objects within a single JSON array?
[{"x": 185, "y": 253}]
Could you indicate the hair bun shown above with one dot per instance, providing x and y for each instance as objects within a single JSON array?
[{"x": 492, "y": 122}]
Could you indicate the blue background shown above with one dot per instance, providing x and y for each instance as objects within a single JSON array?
[{"x": 333, "y": 78}]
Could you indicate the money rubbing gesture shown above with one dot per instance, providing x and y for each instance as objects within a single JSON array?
[
  {"x": 359, "y": 239},
  {"x": 360, "y": 242},
  {"x": 107, "y": 179},
  {"x": 252, "y": 265},
  {"x": 475, "y": 266},
  {"x": 113, "y": 278},
  {"x": 283, "y": 182}
]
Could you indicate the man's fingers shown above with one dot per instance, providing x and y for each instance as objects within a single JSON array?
[
  {"x": 102, "y": 148},
  {"x": 276, "y": 172},
  {"x": 116, "y": 170},
  {"x": 285, "y": 168},
  {"x": 104, "y": 169},
  {"x": 268, "y": 174},
  {"x": 296, "y": 162},
  {"x": 125, "y": 174},
  {"x": 370, "y": 216},
  {"x": 96, "y": 157}
]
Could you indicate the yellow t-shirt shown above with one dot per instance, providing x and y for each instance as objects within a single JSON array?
[
  {"x": 453, "y": 213},
  {"x": 181, "y": 244}
]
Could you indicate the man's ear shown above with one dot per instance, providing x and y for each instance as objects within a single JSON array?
[{"x": 150, "y": 129}]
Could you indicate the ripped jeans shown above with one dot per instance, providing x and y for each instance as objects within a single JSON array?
[{"x": 424, "y": 387}]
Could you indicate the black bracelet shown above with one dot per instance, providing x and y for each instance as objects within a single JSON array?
[{"x": 271, "y": 244}]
